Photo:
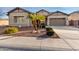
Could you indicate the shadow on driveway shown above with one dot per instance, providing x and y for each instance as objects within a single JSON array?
[{"x": 43, "y": 37}]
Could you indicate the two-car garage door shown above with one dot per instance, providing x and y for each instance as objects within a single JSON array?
[{"x": 57, "y": 22}]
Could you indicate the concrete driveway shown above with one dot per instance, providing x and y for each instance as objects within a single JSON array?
[
  {"x": 68, "y": 41},
  {"x": 70, "y": 35}
]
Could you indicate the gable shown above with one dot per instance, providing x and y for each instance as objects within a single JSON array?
[
  {"x": 74, "y": 16},
  {"x": 18, "y": 10},
  {"x": 43, "y": 12},
  {"x": 58, "y": 14}
]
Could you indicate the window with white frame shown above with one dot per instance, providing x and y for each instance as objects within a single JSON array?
[{"x": 19, "y": 18}]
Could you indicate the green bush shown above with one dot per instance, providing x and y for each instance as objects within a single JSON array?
[
  {"x": 49, "y": 31},
  {"x": 43, "y": 25},
  {"x": 11, "y": 30}
]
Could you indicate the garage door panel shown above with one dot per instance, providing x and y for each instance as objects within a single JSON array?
[{"x": 57, "y": 21}]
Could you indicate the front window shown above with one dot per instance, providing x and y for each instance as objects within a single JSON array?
[
  {"x": 15, "y": 19},
  {"x": 19, "y": 18}
]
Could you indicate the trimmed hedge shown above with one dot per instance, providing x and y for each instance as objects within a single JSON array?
[
  {"x": 11, "y": 30},
  {"x": 49, "y": 31}
]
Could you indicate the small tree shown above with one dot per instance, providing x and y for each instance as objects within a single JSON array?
[
  {"x": 33, "y": 18},
  {"x": 41, "y": 18},
  {"x": 36, "y": 20}
]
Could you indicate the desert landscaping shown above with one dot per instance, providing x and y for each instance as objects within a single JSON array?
[{"x": 39, "y": 31}]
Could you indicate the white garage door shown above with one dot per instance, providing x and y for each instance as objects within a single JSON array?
[{"x": 57, "y": 21}]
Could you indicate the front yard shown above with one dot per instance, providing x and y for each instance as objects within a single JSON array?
[
  {"x": 68, "y": 41},
  {"x": 27, "y": 32}
]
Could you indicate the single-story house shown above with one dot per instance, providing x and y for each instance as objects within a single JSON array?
[
  {"x": 57, "y": 19},
  {"x": 74, "y": 19},
  {"x": 19, "y": 17}
]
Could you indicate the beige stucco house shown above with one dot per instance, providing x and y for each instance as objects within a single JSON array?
[
  {"x": 74, "y": 19},
  {"x": 19, "y": 17},
  {"x": 57, "y": 19}
]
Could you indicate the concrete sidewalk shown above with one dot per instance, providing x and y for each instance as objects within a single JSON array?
[{"x": 33, "y": 44}]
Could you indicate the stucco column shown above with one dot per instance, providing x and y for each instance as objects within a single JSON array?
[
  {"x": 76, "y": 23},
  {"x": 67, "y": 22},
  {"x": 48, "y": 21}
]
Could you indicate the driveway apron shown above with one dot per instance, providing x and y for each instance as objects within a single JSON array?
[{"x": 70, "y": 35}]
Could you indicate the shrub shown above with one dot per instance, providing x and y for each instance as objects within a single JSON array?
[
  {"x": 11, "y": 30},
  {"x": 43, "y": 25},
  {"x": 49, "y": 31}
]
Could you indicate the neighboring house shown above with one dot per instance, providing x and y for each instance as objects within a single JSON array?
[
  {"x": 4, "y": 22},
  {"x": 57, "y": 19},
  {"x": 19, "y": 17},
  {"x": 74, "y": 19}
]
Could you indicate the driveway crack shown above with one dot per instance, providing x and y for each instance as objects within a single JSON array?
[
  {"x": 41, "y": 45},
  {"x": 68, "y": 44}
]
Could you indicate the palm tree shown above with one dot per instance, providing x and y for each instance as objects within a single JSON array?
[
  {"x": 41, "y": 19},
  {"x": 36, "y": 20},
  {"x": 33, "y": 18}
]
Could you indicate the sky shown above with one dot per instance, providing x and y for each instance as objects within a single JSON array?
[{"x": 4, "y": 10}]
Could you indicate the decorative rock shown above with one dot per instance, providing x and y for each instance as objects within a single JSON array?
[{"x": 34, "y": 31}]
